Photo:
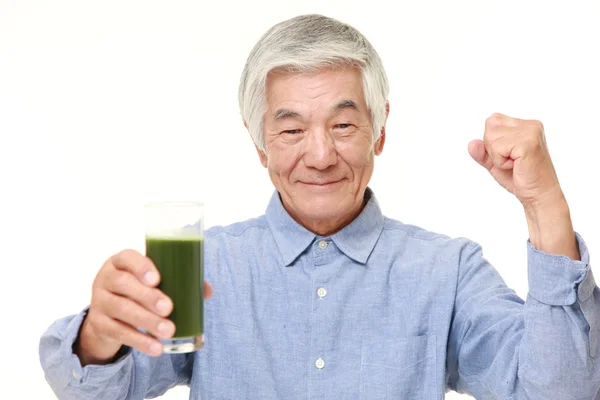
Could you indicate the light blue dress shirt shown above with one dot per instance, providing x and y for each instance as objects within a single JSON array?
[{"x": 378, "y": 310}]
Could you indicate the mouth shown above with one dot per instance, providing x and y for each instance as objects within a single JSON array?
[{"x": 322, "y": 184}]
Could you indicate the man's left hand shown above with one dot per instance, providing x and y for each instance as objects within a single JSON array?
[{"x": 515, "y": 153}]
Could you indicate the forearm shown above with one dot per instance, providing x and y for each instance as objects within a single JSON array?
[
  {"x": 559, "y": 349},
  {"x": 550, "y": 227},
  {"x": 132, "y": 376},
  {"x": 65, "y": 374},
  {"x": 555, "y": 355},
  {"x": 544, "y": 349}
]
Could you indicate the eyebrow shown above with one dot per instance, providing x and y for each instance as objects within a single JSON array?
[
  {"x": 345, "y": 104},
  {"x": 284, "y": 113}
]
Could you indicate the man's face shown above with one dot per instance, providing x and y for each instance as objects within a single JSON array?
[{"x": 319, "y": 145}]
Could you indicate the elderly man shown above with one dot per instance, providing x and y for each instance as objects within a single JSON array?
[{"x": 323, "y": 296}]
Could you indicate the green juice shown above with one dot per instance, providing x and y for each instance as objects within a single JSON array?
[{"x": 181, "y": 265}]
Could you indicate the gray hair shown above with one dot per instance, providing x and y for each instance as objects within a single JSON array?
[{"x": 308, "y": 43}]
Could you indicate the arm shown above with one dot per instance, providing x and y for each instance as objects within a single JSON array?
[
  {"x": 132, "y": 375},
  {"x": 544, "y": 348}
]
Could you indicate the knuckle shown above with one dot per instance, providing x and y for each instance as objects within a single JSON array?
[
  {"x": 493, "y": 121},
  {"x": 96, "y": 295},
  {"x": 536, "y": 123},
  {"x": 99, "y": 301},
  {"x": 120, "y": 334},
  {"x": 121, "y": 281},
  {"x": 128, "y": 253},
  {"x": 112, "y": 331},
  {"x": 532, "y": 141},
  {"x": 100, "y": 278},
  {"x": 125, "y": 257},
  {"x": 120, "y": 308}
]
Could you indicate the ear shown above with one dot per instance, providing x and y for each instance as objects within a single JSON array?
[
  {"x": 381, "y": 141},
  {"x": 262, "y": 156}
]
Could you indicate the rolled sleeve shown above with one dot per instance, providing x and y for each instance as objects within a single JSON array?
[
  {"x": 63, "y": 367},
  {"x": 557, "y": 280}
]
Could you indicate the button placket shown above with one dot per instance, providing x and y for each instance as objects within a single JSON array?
[{"x": 324, "y": 253}]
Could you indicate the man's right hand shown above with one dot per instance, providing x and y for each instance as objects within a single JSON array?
[{"x": 124, "y": 298}]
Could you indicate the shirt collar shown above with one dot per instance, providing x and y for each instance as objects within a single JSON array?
[{"x": 356, "y": 240}]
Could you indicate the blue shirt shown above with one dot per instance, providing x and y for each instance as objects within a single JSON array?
[{"x": 378, "y": 310}]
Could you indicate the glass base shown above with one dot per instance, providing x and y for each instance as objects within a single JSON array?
[{"x": 183, "y": 345}]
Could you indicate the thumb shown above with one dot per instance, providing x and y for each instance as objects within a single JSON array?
[{"x": 479, "y": 154}]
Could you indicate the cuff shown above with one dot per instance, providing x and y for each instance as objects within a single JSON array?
[
  {"x": 78, "y": 375},
  {"x": 557, "y": 280}
]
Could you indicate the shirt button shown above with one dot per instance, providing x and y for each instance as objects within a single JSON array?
[
  {"x": 321, "y": 292},
  {"x": 323, "y": 244},
  {"x": 75, "y": 375},
  {"x": 319, "y": 363}
]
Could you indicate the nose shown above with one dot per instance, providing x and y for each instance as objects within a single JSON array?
[{"x": 320, "y": 150}]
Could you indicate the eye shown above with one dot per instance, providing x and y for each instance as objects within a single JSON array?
[
  {"x": 343, "y": 126},
  {"x": 293, "y": 131}
]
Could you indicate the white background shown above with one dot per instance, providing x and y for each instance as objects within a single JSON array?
[{"x": 106, "y": 105}]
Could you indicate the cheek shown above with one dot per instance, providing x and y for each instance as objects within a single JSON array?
[
  {"x": 357, "y": 156},
  {"x": 283, "y": 159}
]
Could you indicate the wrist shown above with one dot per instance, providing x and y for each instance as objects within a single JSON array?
[
  {"x": 550, "y": 227},
  {"x": 546, "y": 214},
  {"x": 91, "y": 349}
]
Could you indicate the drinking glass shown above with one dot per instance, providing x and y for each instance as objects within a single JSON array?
[{"x": 175, "y": 243}]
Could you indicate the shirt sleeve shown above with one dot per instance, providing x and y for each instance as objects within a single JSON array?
[
  {"x": 133, "y": 375},
  {"x": 546, "y": 347}
]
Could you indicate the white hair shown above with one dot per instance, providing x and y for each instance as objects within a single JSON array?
[{"x": 308, "y": 43}]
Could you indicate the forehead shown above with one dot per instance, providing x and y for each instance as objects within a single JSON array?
[{"x": 322, "y": 86}]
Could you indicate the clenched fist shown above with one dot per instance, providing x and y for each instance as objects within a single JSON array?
[{"x": 514, "y": 151}]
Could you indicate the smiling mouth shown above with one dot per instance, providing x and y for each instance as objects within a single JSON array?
[{"x": 321, "y": 183}]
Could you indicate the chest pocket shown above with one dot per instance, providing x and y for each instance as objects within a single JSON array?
[{"x": 398, "y": 368}]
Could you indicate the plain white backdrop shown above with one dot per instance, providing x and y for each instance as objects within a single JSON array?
[{"x": 107, "y": 105}]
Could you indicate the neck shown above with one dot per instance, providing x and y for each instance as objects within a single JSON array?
[{"x": 328, "y": 226}]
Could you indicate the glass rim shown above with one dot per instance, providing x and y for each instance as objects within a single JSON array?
[{"x": 174, "y": 203}]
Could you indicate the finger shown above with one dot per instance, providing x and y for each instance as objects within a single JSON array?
[
  {"x": 139, "y": 265},
  {"x": 125, "y": 284},
  {"x": 500, "y": 151},
  {"x": 128, "y": 336},
  {"x": 208, "y": 291},
  {"x": 131, "y": 313},
  {"x": 479, "y": 154}
]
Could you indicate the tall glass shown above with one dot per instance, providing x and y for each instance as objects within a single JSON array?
[{"x": 175, "y": 243}]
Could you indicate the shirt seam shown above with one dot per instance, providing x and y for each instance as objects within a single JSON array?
[
  {"x": 409, "y": 233},
  {"x": 222, "y": 230}
]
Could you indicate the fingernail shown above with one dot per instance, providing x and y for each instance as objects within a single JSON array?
[
  {"x": 162, "y": 305},
  {"x": 163, "y": 327},
  {"x": 150, "y": 277},
  {"x": 156, "y": 348}
]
